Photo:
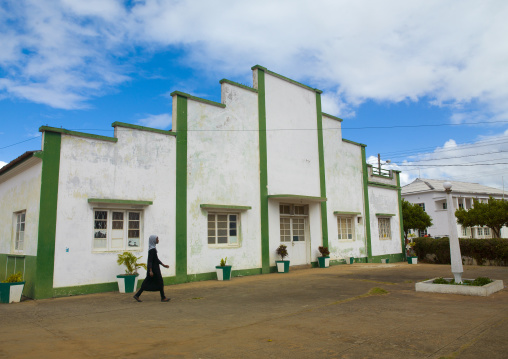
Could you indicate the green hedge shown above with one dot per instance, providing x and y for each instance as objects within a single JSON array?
[{"x": 493, "y": 249}]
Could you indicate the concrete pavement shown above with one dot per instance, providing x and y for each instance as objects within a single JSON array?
[{"x": 337, "y": 312}]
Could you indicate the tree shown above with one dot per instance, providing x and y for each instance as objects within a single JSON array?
[
  {"x": 493, "y": 214},
  {"x": 414, "y": 217}
]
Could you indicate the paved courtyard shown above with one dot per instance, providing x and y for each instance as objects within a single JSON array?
[{"x": 336, "y": 312}]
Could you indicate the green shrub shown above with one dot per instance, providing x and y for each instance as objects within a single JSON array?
[
  {"x": 131, "y": 262},
  {"x": 440, "y": 280},
  {"x": 481, "y": 281},
  {"x": 14, "y": 278},
  {"x": 481, "y": 250}
]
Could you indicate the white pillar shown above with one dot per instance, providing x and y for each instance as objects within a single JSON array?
[{"x": 455, "y": 255}]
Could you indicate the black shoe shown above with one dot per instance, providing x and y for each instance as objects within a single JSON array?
[
  {"x": 165, "y": 299},
  {"x": 137, "y": 299}
]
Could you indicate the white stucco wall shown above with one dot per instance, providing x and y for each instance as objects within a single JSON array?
[
  {"x": 384, "y": 200},
  {"x": 140, "y": 166},
  {"x": 344, "y": 190},
  {"x": 292, "y": 142},
  {"x": 223, "y": 168},
  {"x": 20, "y": 192}
]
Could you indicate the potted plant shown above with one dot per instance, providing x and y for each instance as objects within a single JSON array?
[
  {"x": 223, "y": 270},
  {"x": 282, "y": 265},
  {"x": 12, "y": 288},
  {"x": 350, "y": 260},
  {"x": 128, "y": 282},
  {"x": 411, "y": 254},
  {"x": 324, "y": 260}
]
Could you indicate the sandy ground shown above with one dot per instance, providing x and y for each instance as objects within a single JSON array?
[{"x": 307, "y": 313}]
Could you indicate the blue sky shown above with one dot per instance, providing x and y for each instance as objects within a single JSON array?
[{"x": 423, "y": 83}]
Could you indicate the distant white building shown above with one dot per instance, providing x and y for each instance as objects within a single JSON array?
[{"x": 430, "y": 195}]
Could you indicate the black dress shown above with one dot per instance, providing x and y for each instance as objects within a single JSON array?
[{"x": 155, "y": 283}]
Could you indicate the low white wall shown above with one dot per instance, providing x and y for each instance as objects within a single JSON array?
[
  {"x": 384, "y": 200},
  {"x": 140, "y": 166},
  {"x": 223, "y": 168},
  {"x": 21, "y": 192}
]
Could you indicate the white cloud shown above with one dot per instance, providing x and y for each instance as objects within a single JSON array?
[
  {"x": 2, "y": 163},
  {"x": 451, "y": 53},
  {"x": 162, "y": 121},
  {"x": 484, "y": 161}
]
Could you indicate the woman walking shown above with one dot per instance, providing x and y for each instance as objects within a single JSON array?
[{"x": 153, "y": 281}]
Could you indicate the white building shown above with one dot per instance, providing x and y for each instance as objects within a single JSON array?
[
  {"x": 430, "y": 195},
  {"x": 233, "y": 179}
]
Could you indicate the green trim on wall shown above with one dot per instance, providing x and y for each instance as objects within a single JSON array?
[
  {"x": 77, "y": 134},
  {"x": 322, "y": 173},
  {"x": 354, "y": 143},
  {"x": 87, "y": 289},
  {"x": 198, "y": 99},
  {"x": 142, "y": 128},
  {"x": 263, "y": 174},
  {"x": 383, "y": 185},
  {"x": 225, "y": 206},
  {"x": 341, "y": 212},
  {"x": 48, "y": 215},
  {"x": 402, "y": 239},
  {"x": 396, "y": 257},
  {"x": 238, "y": 85},
  {"x": 181, "y": 188},
  {"x": 332, "y": 117},
  {"x": 366, "y": 202},
  {"x": 20, "y": 160},
  {"x": 385, "y": 214},
  {"x": 264, "y": 69},
  {"x": 297, "y": 196},
  {"x": 119, "y": 201}
]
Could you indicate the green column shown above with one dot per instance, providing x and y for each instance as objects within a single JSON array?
[
  {"x": 366, "y": 202},
  {"x": 399, "y": 190},
  {"x": 45, "y": 264},
  {"x": 322, "y": 177},
  {"x": 181, "y": 190},
  {"x": 263, "y": 174}
]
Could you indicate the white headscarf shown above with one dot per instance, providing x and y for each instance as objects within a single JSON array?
[{"x": 152, "y": 241}]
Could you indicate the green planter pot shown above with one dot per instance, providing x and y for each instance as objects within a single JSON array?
[
  {"x": 282, "y": 266},
  {"x": 127, "y": 283},
  {"x": 350, "y": 260},
  {"x": 385, "y": 260},
  {"x": 324, "y": 262},
  {"x": 412, "y": 260},
  {"x": 223, "y": 273},
  {"x": 11, "y": 292}
]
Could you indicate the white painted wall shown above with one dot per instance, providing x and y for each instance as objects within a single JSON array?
[
  {"x": 20, "y": 192},
  {"x": 223, "y": 168},
  {"x": 384, "y": 200},
  {"x": 344, "y": 190},
  {"x": 140, "y": 166},
  {"x": 292, "y": 142}
]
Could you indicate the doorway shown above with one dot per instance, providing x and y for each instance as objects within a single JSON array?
[{"x": 294, "y": 232}]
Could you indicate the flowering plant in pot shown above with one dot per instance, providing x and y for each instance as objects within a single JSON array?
[
  {"x": 411, "y": 254},
  {"x": 324, "y": 260},
  {"x": 12, "y": 288},
  {"x": 282, "y": 265},
  {"x": 128, "y": 282},
  {"x": 223, "y": 270}
]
